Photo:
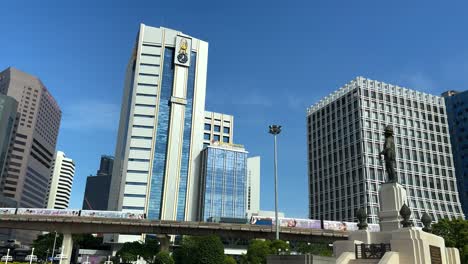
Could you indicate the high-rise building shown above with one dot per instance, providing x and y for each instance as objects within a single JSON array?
[
  {"x": 253, "y": 185},
  {"x": 156, "y": 167},
  {"x": 218, "y": 127},
  {"x": 223, "y": 192},
  {"x": 61, "y": 182},
  {"x": 345, "y": 137},
  {"x": 457, "y": 114},
  {"x": 96, "y": 195},
  {"x": 8, "y": 107},
  {"x": 32, "y": 148}
]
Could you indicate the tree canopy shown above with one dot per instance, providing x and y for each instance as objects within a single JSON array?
[
  {"x": 258, "y": 250},
  {"x": 455, "y": 234},
  {"x": 131, "y": 250},
  {"x": 163, "y": 257},
  {"x": 44, "y": 243},
  {"x": 200, "y": 250}
]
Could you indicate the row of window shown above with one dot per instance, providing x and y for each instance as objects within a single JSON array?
[
  {"x": 207, "y": 136},
  {"x": 217, "y": 128}
]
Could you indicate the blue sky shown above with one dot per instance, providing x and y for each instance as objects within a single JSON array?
[{"x": 268, "y": 61}]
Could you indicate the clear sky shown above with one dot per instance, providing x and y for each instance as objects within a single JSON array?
[{"x": 268, "y": 61}]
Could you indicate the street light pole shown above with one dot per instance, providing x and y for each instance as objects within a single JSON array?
[
  {"x": 31, "y": 257},
  {"x": 53, "y": 249},
  {"x": 275, "y": 130}
]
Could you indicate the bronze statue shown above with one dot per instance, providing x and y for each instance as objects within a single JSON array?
[{"x": 389, "y": 155}]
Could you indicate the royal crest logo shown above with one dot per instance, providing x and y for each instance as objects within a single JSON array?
[{"x": 182, "y": 56}]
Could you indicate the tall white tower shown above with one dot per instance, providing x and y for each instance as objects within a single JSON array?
[
  {"x": 156, "y": 168},
  {"x": 61, "y": 181}
]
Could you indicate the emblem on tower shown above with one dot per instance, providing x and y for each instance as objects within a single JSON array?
[{"x": 183, "y": 48}]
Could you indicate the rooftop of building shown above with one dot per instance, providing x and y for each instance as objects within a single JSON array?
[
  {"x": 356, "y": 82},
  {"x": 227, "y": 146},
  {"x": 19, "y": 74}
]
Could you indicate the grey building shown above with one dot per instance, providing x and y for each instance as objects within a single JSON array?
[
  {"x": 8, "y": 107},
  {"x": 27, "y": 171},
  {"x": 345, "y": 136},
  {"x": 96, "y": 195},
  {"x": 457, "y": 113}
]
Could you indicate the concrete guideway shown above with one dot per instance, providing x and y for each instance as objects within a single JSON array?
[
  {"x": 68, "y": 225},
  {"x": 81, "y": 225}
]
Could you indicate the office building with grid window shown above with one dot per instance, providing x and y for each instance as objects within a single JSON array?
[
  {"x": 160, "y": 137},
  {"x": 26, "y": 173},
  {"x": 224, "y": 182},
  {"x": 31, "y": 152},
  {"x": 457, "y": 114},
  {"x": 218, "y": 128},
  {"x": 345, "y": 137}
]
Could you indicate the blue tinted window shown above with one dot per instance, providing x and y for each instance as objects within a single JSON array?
[
  {"x": 217, "y": 128},
  {"x": 226, "y": 130},
  {"x": 226, "y": 139},
  {"x": 216, "y": 137},
  {"x": 224, "y": 183},
  {"x": 160, "y": 149},
  {"x": 206, "y": 136},
  {"x": 207, "y": 127}
]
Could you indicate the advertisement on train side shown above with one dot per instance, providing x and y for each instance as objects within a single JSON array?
[{"x": 43, "y": 211}]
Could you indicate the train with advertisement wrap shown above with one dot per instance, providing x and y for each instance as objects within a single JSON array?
[
  {"x": 72, "y": 213},
  {"x": 254, "y": 220},
  {"x": 310, "y": 223}
]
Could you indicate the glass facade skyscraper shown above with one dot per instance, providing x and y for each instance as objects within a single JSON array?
[
  {"x": 157, "y": 158},
  {"x": 457, "y": 114},
  {"x": 345, "y": 136},
  {"x": 224, "y": 182}
]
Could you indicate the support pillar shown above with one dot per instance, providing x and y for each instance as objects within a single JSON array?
[
  {"x": 392, "y": 196},
  {"x": 67, "y": 248},
  {"x": 164, "y": 242}
]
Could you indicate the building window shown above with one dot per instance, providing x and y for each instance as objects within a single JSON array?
[
  {"x": 216, "y": 137},
  {"x": 206, "y": 136},
  {"x": 226, "y": 130},
  {"x": 217, "y": 128},
  {"x": 226, "y": 139},
  {"x": 208, "y": 127}
]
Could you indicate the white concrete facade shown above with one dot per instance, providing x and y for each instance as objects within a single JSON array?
[
  {"x": 345, "y": 136},
  {"x": 218, "y": 127},
  {"x": 156, "y": 168},
  {"x": 61, "y": 182},
  {"x": 253, "y": 185}
]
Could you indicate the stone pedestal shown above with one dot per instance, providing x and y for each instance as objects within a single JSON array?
[{"x": 392, "y": 196}]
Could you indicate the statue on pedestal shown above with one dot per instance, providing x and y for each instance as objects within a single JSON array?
[{"x": 389, "y": 155}]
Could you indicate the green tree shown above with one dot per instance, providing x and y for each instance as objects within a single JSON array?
[
  {"x": 319, "y": 249},
  {"x": 257, "y": 252},
  {"x": 131, "y": 250},
  {"x": 229, "y": 260},
  {"x": 279, "y": 247},
  {"x": 200, "y": 250},
  {"x": 163, "y": 257},
  {"x": 455, "y": 234},
  {"x": 44, "y": 243},
  {"x": 182, "y": 255},
  {"x": 210, "y": 250}
]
